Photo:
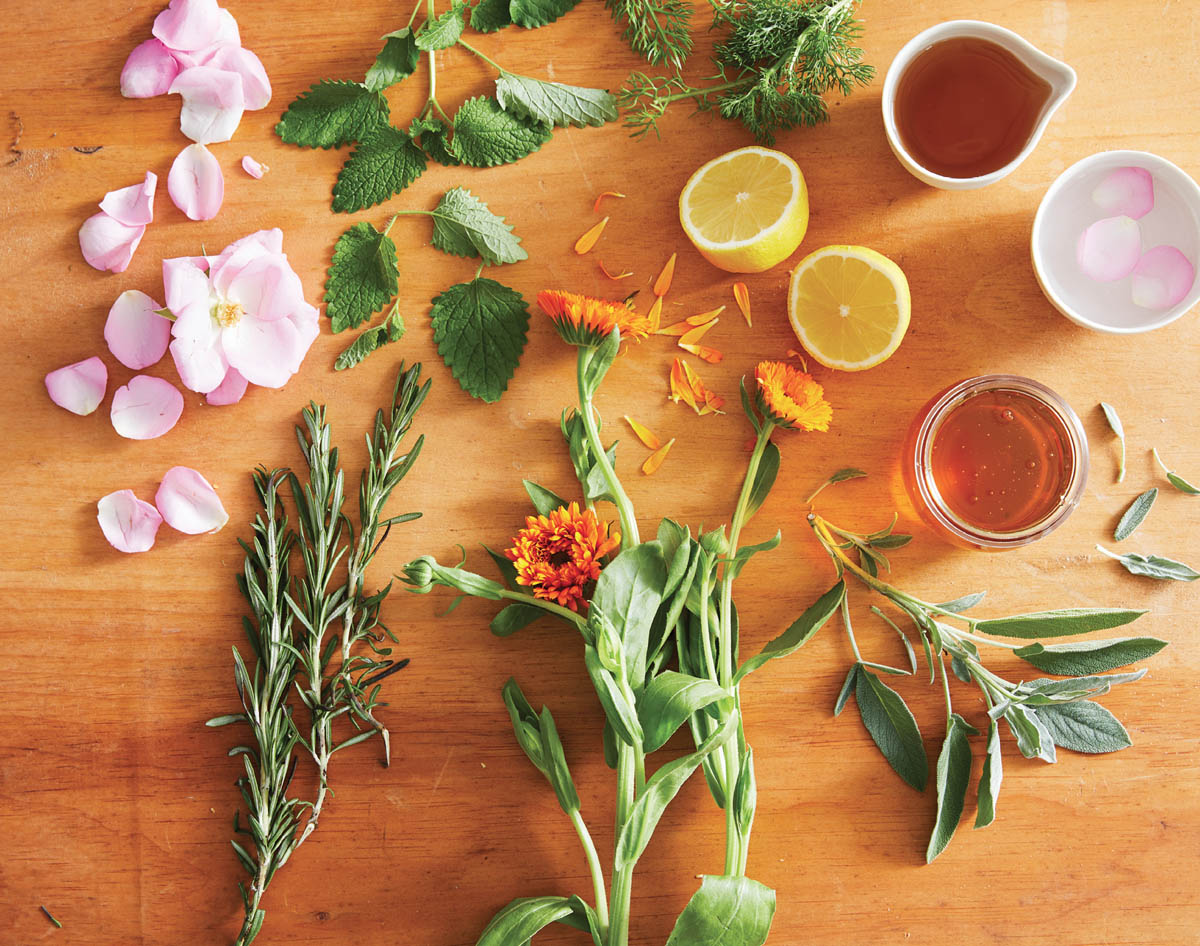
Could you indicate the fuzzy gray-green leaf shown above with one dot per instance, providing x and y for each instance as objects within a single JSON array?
[
  {"x": 1084, "y": 727},
  {"x": 892, "y": 727},
  {"x": 953, "y": 776},
  {"x": 1136, "y": 514},
  {"x": 1064, "y": 622},
  {"x": 990, "y": 779},
  {"x": 1114, "y": 422},
  {"x": 1083, "y": 658},
  {"x": 1153, "y": 566}
]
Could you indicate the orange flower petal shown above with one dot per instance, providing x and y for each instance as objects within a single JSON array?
[
  {"x": 663, "y": 282},
  {"x": 792, "y": 353},
  {"x": 711, "y": 355},
  {"x": 675, "y": 328},
  {"x": 600, "y": 200},
  {"x": 693, "y": 335},
  {"x": 742, "y": 295},
  {"x": 655, "y": 459},
  {"x": 588, "y": 240},
  {"x": 614, "y": 276},
  {"x": 705, "y": 317},
  {"x": 643, "y": 433},
  {"x": 655, "y": 314},
  {"x": 681, "y": 388},
  {"x": 686, "y": 386}
]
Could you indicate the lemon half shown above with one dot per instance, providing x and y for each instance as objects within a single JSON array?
[
  {"x": 849, "y": 306},
  {"x": 747, "y": 210}
]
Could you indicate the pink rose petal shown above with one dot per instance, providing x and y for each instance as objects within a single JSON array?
[
  {"x": 107, "y": 243},
  {"x": 188, "y": 24},
  {"x": 185, "y": 283},
  {"x": 213, "y": 103},
  {"x": 129, "y": 524},
  {"x": 135, "y": 332},
  {"x": 268, "y": 287},
  {"x": 149, "y": 71},
  {"x": 253, "y": 168},
  {"x": 133, "y": 205},
  {"x": 1126, "y": 192},
  {"x": 1109, "y": 249},
  {"x": 188, "y": 502},
  {"x": 256, "y": 87},
  {"x": 229, "y": 391},
  {"x": 307, "y": 322},
  {"x": 196, "y": 348},
  {"x": 146, "y": 408},
  {"x": 79, "y": 387},
  {"x": 264, "y": 352},
  {"x": 1162, "y": 278},
  {"x": 196, "y": 184}
]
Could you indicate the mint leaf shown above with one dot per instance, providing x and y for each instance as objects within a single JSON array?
[
  {"x": 553, "y": 103},
  {"x": 397, "y": 60},
  {"x": 485, "y": 135},
  {"x": 380, "y": 167},
  {"x": 331, "y": 114},
  {"x": 534, "y": 13},
  {"x": 443, "y": 31},
  {"x": 389, "y": 330},
  {"x": 480, "y": 329},
  {"x": 487, "y": 16},
  {"x": 430, "y": 134},
  {"x": 363, "y": 276},
  {"x": 463, "y": 226}
]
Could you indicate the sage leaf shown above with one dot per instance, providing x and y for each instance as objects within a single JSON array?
[
  {"x": 892, "y": 728},
  {"x": 668, "y": 701},
  {"x": 544, "y": 501},
  {"x": 1033, "y": 738},
  {"x": 846, "y": 473},
  {"x": 556, "y": 764},
  {"x": 514, "y": 618},
  {"x": 621, "y": 715},
  {"x": 1135, "y": 515},
  {"x": 1065, "y": 622},
  {"x": 990, "y": 778},
  {"x": 1083, "y": 658},
  {"x": 725, "y": 911},
  {"x": 965, "y": 603},
  {"x": 960, "y": 668},
  {"x": 1085, "y": 726},
  {"x": 894, "y": 540},
  {"x": 522, "y": 918},
  {"x": 846, "y": 690},
  {"x": 1153, "y": 566},
  {"x": 764, "y": 479},
  {"x": 629, "y": 591},
  {"x": 1110, "y": 414},
  {"x": 908, "y": 647},
  {"x": 1044, "y": 691},
  {"x": 953, "y": 776},
  {"x": 1175, "y": 479},
  {"x": 798, "y": 634}
]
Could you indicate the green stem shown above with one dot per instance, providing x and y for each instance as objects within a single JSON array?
[
  {"x": 565, "y": 613},
  {"x": 622, "y": 884},
  {"x": 593, "y": 860},
  {"x": 491, "y": 62},
  {"x": 945, "y": 688},
  {"x": 702, "y": 93},
  {"x": 849, "y": 627},
  {"x": 629, "y": 528}
]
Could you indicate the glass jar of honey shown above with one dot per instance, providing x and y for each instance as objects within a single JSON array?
[{"x": 995, "y": 462}]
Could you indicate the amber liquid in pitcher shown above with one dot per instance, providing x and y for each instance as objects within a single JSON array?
[
  {"x": 966, "y": 107},
  {"x": 1002, "y": 461}
]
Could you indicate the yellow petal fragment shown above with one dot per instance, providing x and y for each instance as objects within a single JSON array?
[
  {"x": 693, "y": 335},
  {"x": 655, "y": 459},
  {"x": 711, "y": 355},
  {"x": 681, "y": 389},
  {"x": 600, "y": 200},
  {"x": 588, "y": 240},
  {"x": 655, "y": 313},
  {"x": 663, "y": 282},
  {"x": 686, "y": 386},
  {"x": 792, "y": 353},
  {"x": 705, "y": 317},
  {"x": 625, "y": 274},
  {"x": 675, "y": 328},
  {"x": 643, "y": 433},
  {"x": 742, "y": 295}
]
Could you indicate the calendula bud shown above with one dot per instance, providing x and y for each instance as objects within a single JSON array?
[
  {"x": 715, "y": 543},
  {"x": 419, "y": 574}
]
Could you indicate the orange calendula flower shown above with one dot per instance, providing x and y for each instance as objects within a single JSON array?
[
  {"x": 686, "y": 386},
  {"x": 791, "y": 398},
  {"x": 586, "y": 322},
  {"x": 558, "y": 556}
]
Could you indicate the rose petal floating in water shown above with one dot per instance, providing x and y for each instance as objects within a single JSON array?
[
  {"x": 188, "y": 502},
  {"x": 129, "y": 524},
  {"x": 135, "y": 332},
  {"x": 146, "y": 408},
  {"x": 1109, "y": 249},
  {"x": 1162, "y": 278},
  {"x": 79, "y": 387},
  {"x": 196, "y": 184},
  {"x": 1126, "y": 191}
]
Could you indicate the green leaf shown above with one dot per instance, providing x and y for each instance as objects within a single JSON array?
[
  {"x": 725, "y": 911},
  {"x": 388, "y": 331},
  {"x": 629, "y": 592},
  {"x": 534, "y": 13},
  {"x": 1175, "y": 479},
  {"x": 526, "y": 724},
  {"x": 1153, "y": 566},
  {"x": 1084, "y": 727},
  {"x": 599, "y": 360},
  {"x": 396, "y": 61},
  {"x": 1043, "y": 691},
  {"x": 332, "y": 113},
  {"x": 382, "y": 165},
  {"x": 894, "y": 541},
  {"x": 660, "y": 789},
  {"x": 1083, "y": 658},
  {"x": 953, "y": 776},
  {"x": 847, "y": 688},
  {"x": 463, "y": 226},
  {"x": 514, "y": 618},
  {"x": 892, "y": 727},
  {"x": 363, "y": 276},
  {"x": 764, "y": 479},
  {"x": 799, "y": 633},
  {"x": 508, "y": 571},
  {"x": 965, "y": 603},
  {"x": 745, "y": 794},
  {"x": 517, "y": 923},
  {"x": 990, "y": 778},
  {"x": 226, "y": 720},
  {"x": 746, "y": 552},
  {"x": 668, "y": 701},
  {"x": 544, "y": 501},
  {"x": 1114, "y": 421},
  {"x": 1033, "y": 738},
  {"x": 1065, "y": 622},
  {"x": 442, "y": 31},
  {"x": 1135, "y": 514},
  {"x": 485, "y": 135},
  {"x": 487, "y": 16},
  {"x": 430, "y": 133},
  {"x": 480, "y": 329},
  {"x": 553, "y": 103},
  {"x": 556, "y": 764},
  {"x": 621, "y": 715}
]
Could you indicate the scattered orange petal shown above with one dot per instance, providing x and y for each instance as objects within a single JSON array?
[
  {"x": 655, "y": 314},
  {"x": 656, "y": 459},
  {"x": 792, "y": 353},
  {"x": 704, "y": 317},
  {"x": 676, "y": 328},
  {"x": 588, "y": 240},
  {"x": 663, "y": 282},
  {"x": 643, "y": 433},
  {"x": 686, "y": 386},
  {"x": 711, "y": 355},
  {"x": 693, "y": 335},
  {"x": 742, "y": 295},
  {"x": 600, "y": 200},
  {"x": 681, "y": 390},
  {"x": 614, "y": 276}
]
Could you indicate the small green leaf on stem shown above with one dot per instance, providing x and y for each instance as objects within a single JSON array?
[
  {"x": 1175, "y": 479},
  {"x": 389, "y": 330},
  {"x": 799, "y": 633},
  {"x": 1153, "y": 566},
  {"x": 668, "y": 701},
  {"x": 847, "y": 688},
  {"x": 764, "y": 479},
  {"x": 1084, "y": 726},
  {"x": 464, "y": 226},
  {"x": 953, "y": 776},
  {"x": 1135, "y": 515},
  {"x": 1114, "y": 422},
  {"x": 847, "y": 473},
  {"x": 385, "y": 162},
  {"x": 480, "y": 328},
  {"x": 331, "y": 114},
  {"x": 553, "y": 103},
  {"x": 545, "y": 501},
  {"x": 396, "y": 61},
  {"x": 443, "y": 31}
]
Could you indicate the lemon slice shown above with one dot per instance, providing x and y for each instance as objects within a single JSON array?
[
  {"x": 746, "y": 210},
  {"x": 849, "y": 306}
]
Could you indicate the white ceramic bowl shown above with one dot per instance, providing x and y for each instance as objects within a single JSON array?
[
  {"x": 1060, "y": 76},
  {"x": 1067, "y": 210}
]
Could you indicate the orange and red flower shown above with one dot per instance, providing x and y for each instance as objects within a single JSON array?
[
  {"x": 586, "y": 322},
  {"x": 791, "y": 398},
  {"x": 558, "y": 557}
]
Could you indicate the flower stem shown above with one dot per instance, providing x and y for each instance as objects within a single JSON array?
[
  {"x": 629, "y": 528},
  {"x": 593, "y": 860},
  {"x": 565, "y": 613},
  {"x": 491, "y": 62}
]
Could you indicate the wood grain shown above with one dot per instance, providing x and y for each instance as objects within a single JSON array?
[{"x": 116, "y": 803}]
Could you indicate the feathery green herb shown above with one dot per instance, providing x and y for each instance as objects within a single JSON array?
[{"x": 657, "y": 30}]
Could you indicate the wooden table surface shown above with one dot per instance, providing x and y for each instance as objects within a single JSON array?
[{"x": 116, "y": 802}]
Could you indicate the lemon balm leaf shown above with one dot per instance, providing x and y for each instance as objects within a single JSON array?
[
  {"x": 380, "y": 167},
  {"x": 534, "y": 13},
  {"x": 488, "y": 16},
  {"x": 443, "y": 31},
  {"x": 332, "y": 113},
  {"x": 374, "y": 338},
  {"x": 363, "y": 276},
  {"x": 553, "y": 103},
  {"x": 480, "y": 328},
  {"x": 485, "y": 135},
  {"x": 464, "y": 226},
  {"x": 396, "y": 61}
]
